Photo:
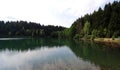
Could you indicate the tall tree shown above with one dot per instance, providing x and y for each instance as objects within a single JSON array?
[{"x": 86, "y": 28}]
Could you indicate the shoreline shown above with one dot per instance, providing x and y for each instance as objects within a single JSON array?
[
  {"x": 108, "y": 41},
  {"x": 105, "y": 41},
  {"x": 116, "y": 40}
]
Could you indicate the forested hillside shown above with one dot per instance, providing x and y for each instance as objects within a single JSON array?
[
  {"x": 29, "y": 29},
  {"x": 102, "y": 23}
]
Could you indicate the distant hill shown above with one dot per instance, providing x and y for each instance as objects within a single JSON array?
[{"x": 27, "y": 29}]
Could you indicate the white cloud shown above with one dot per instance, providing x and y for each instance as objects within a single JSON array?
[{"x": 54, "y": 12}]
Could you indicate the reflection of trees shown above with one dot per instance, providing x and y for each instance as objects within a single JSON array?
[
  {"x": 24, "y": 44},
  {"x": 106, "y": 57}
]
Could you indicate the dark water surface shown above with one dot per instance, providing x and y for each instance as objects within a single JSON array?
[{"x": 56, "y": 54}]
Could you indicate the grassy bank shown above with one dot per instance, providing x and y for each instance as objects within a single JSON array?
[
  {"x": 109, "y": 41},
  {"x": 116, "y": 40}
]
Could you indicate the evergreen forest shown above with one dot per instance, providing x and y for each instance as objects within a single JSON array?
[
  {"x": 103, "y": 23},
  {"x": 27, "y": 29}
]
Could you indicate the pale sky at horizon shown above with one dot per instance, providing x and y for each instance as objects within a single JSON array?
[{"x": 48, "y": 12}]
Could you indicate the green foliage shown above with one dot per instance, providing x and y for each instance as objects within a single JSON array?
[
  {"x": 66, "y": 32},
  {"x": 77, "y": 36},
  {"x": 88, "y": 36},
  {"x": 113, "y": 37},
  {"x": 86, "y": 29},
  {"x": 102, "y": 23},
  {"x": 73, "y": 31},
  {"x": 94, "y": 32},
  {"x": 29, "y": 29}
]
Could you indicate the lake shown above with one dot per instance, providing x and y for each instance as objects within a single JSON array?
[{"x": 56, "y": 54}]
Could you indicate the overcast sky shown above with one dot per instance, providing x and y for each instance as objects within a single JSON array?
[{"x": 48, "y": 12}]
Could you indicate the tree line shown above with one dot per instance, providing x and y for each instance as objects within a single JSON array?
[
  {"x": 27, "y": 29},
  {"x": 101, "y": 23}
]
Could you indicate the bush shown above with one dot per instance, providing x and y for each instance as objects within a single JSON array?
[
  {"x": 89, "y": 36},
  {"x": 113, "y": 37},
  {"x": 77, "y": 36},
  {"x": 92, "y": 37}
]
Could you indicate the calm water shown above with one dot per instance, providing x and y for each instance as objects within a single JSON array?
[{"x": 53, "y": 54}]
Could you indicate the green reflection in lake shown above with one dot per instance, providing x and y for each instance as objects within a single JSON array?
[{"x": 57, "y": 54}]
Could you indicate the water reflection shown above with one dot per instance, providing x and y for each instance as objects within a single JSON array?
[
  {"x": 11, "y": 38},
  {"x": 53, "y": 54},
  {"x": 59, "y": 58}
]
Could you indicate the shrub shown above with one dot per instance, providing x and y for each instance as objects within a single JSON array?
[
  {"x": 78, "y": 36},
  {"x": 113, "y": 37}
]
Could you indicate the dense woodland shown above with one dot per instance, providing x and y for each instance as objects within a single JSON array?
[
  {"x": 102, "y": 23},
  {"x": 105, "y": 22},
  {"x": 27, "y": 29}
]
